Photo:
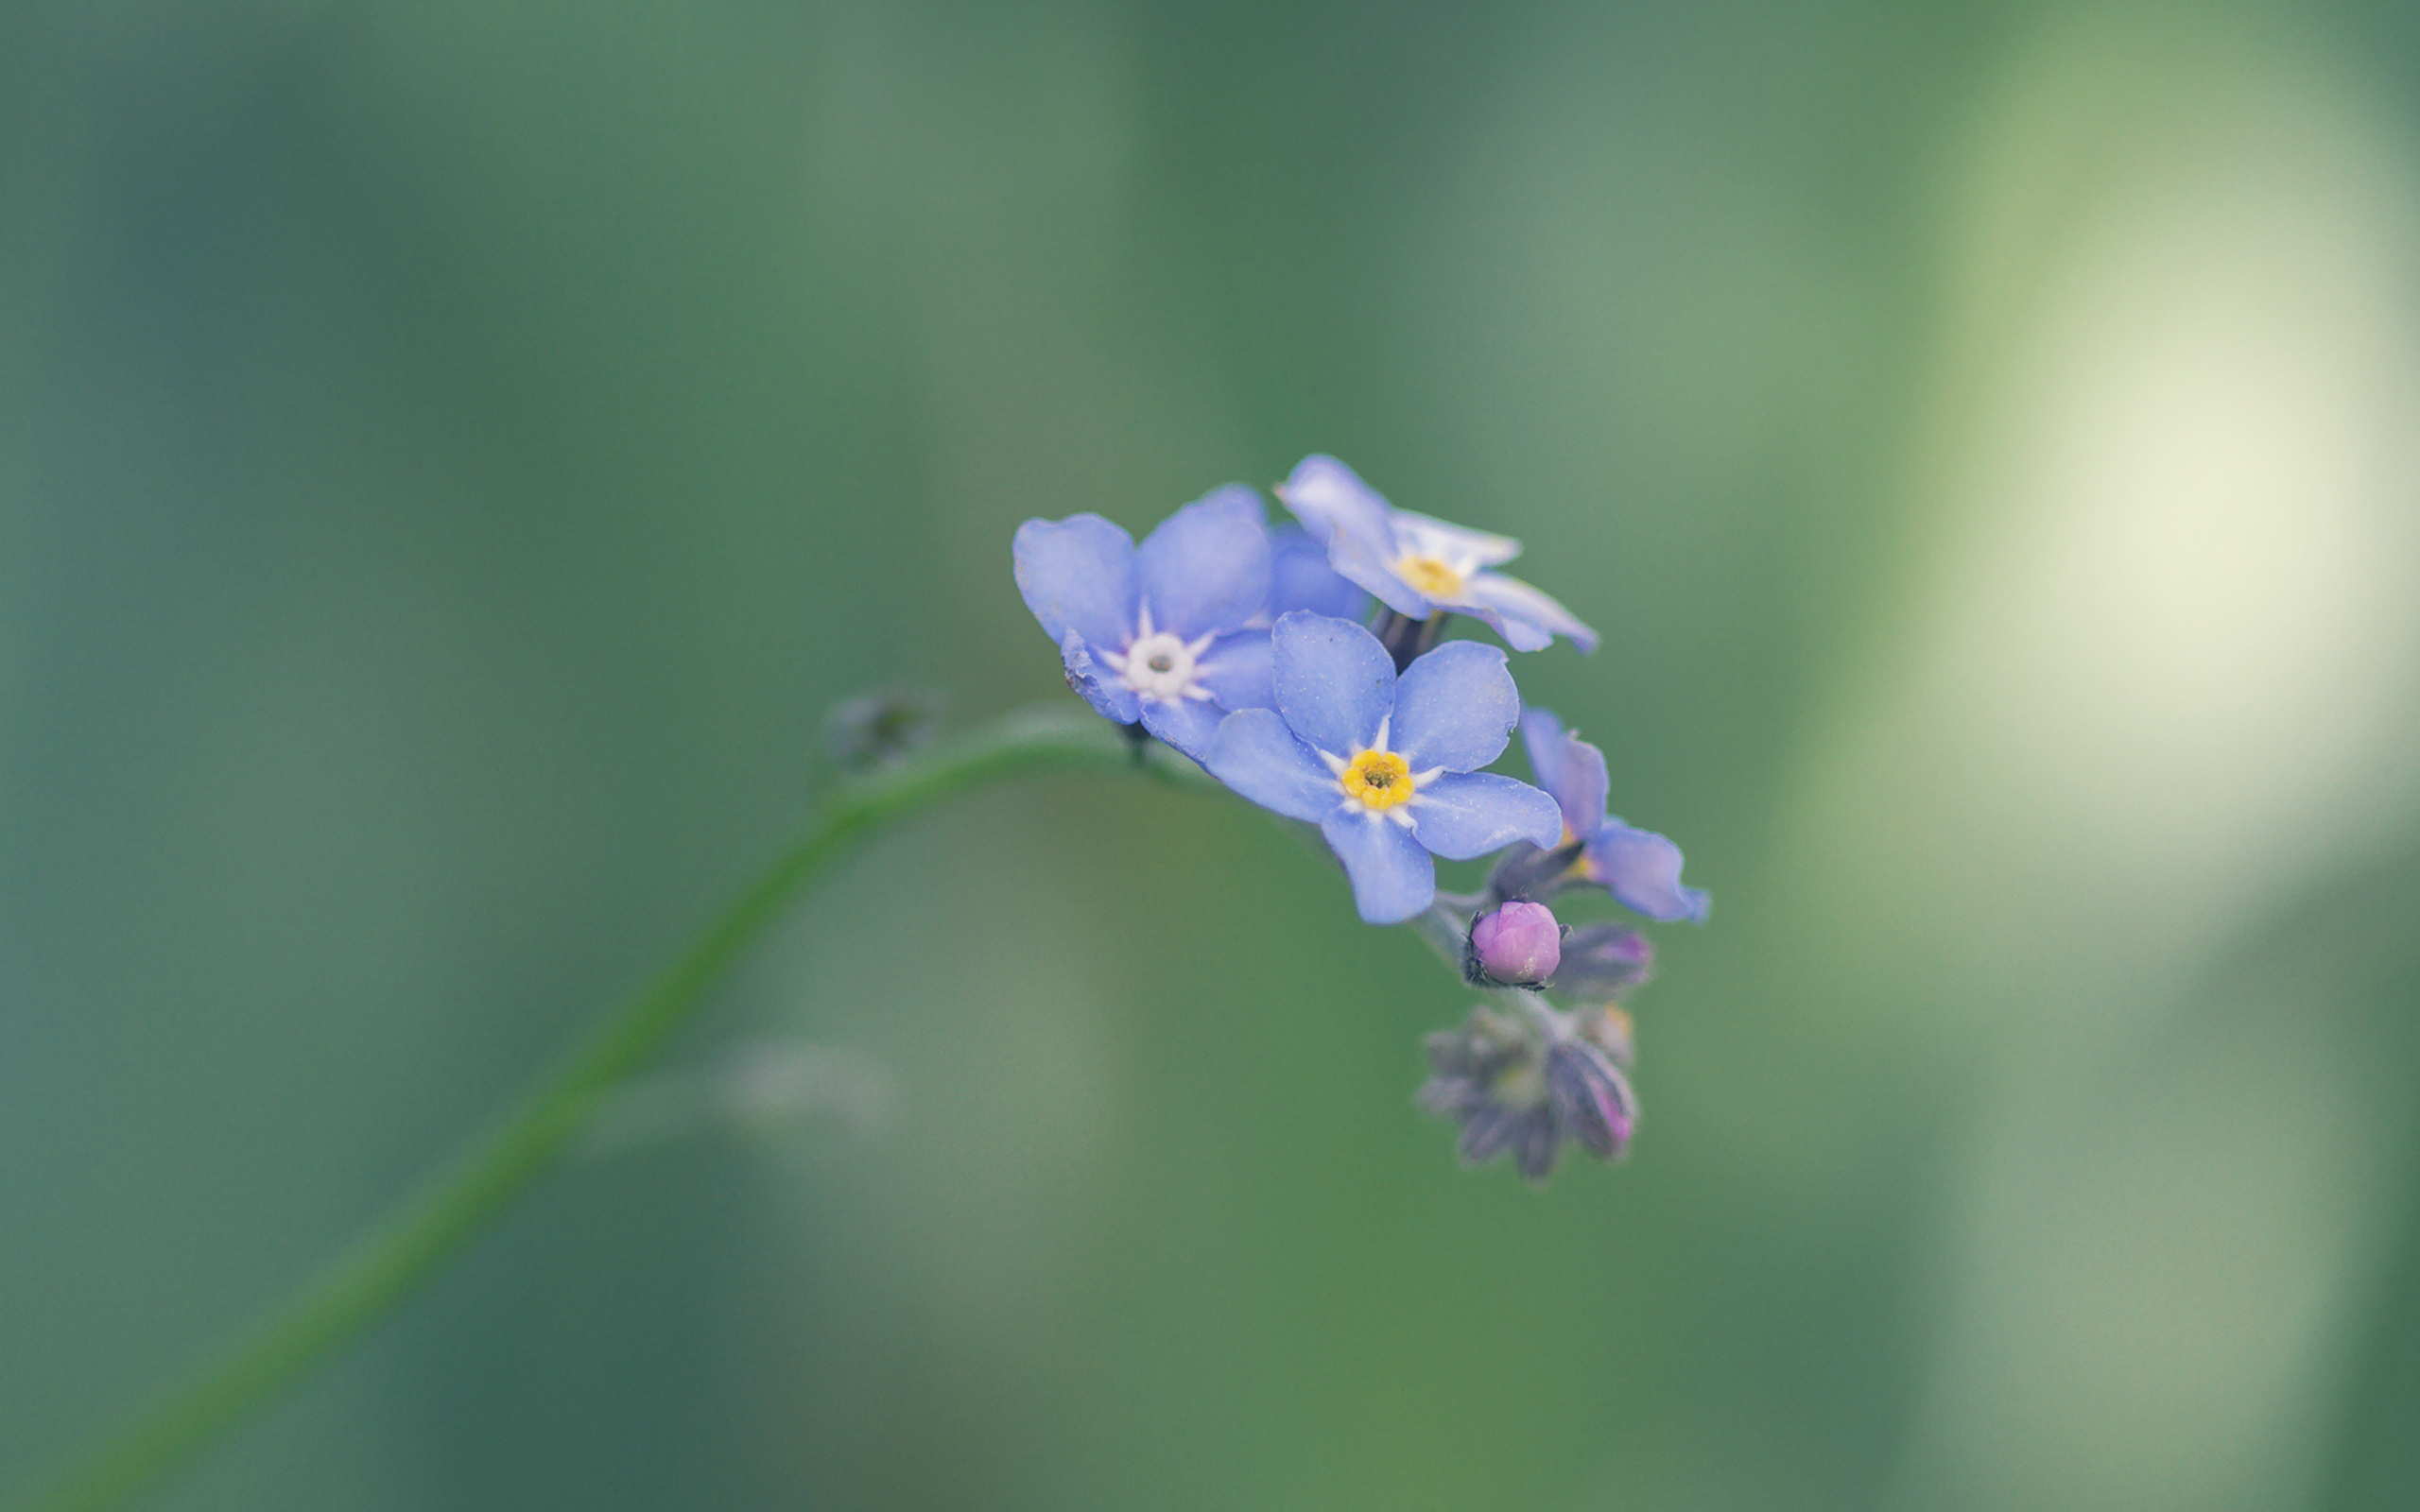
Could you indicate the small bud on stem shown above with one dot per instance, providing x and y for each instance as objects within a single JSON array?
[{"x": 1518, "y": 944}]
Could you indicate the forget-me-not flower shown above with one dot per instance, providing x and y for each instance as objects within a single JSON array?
[
  {"x": 1641, "y": 868},
  {"x": 1387, "y": 768},
  {"x": 1420, "y": 566},
  {"x": 1157, "y": 633}
]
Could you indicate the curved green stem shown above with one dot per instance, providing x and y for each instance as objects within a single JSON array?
[{"x": 391, "y": 1262}]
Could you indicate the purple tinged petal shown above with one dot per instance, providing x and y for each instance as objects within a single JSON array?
[
  {"x": 1237, "y": 669},
  {"x": 1300, "y": 577},
  {"x": 1464, "y": 814},
  {"x": 1257, "y": 756},
  {"x": 1078, "y": 575},
  {"x": 1454, "y": 708},
  {"x": 1642, "y": 869},
  {"x": 1591, "y": 1101},
  {"x": 1205, "y": 570},
  {"x": 1392, "y": 877},
  {"x": 1110, "y": 698},
  {"x": 1569, "y": 767},
  {"x": 1189, "y": 724},
  {"x": 1602, "y": 961},
  {"x": 1527, "y": 619},
  {"x": 1333, "y": 682}
]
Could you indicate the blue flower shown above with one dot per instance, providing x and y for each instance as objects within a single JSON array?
[
  {"x": 1385, "y": 768},
  {"x": 1157, "y": 633},
  {"x": 1641, "y": 868},
  {"x": 1419, "y": 566}
]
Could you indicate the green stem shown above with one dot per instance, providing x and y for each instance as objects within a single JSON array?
[{"x": 387, "y": 1265}]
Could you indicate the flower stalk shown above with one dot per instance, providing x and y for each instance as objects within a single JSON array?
[{"x": 387, "y": 1266}]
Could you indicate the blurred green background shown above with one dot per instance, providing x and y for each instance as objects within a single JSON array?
[{"x": 450, "y": 454}]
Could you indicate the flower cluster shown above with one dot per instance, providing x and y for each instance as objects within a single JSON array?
[{"x": 1246, "y": 649}]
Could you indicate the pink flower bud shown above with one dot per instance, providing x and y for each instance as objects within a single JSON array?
[{"x": 1518, "y": 945}]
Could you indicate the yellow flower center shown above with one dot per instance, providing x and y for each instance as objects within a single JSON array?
[
  {"x": 1377, "y": 779},
  {"x": 1431, "y": 576}
]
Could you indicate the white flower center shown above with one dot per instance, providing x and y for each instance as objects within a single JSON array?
[{"x": 1160, "y": 667}]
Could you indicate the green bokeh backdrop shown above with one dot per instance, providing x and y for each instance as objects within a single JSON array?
[{"x": 451, "y": 456}]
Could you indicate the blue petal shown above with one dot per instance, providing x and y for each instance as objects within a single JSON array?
[
  {"x": 1454, "y": 708},
  {"x": 1642, "y": 869},
  {"x": 1205, "y": 570},
  {"x": 1392, "y": 877},
  {"x": 1528, "y": 619},
  {"x": 1330, "y": 498},
  {"x": 1077, "y": 573},
  {"x": 1464, "y": 814},
  {"x": 1361, "y": 564},
  {"x": 1257, "y": 756},
  {"x": 1110, "y": 696},
  {"x": 1459, "y": 546},
  {"x": 1335, "y": 683},
  {"x": 1189, "y": 724},
  {"x": 1300, "y": 577},
  {"x": 1541, "y": 741},
  {"x": 1569, "y": 767},
  {"x": 1237, "y": 669}
]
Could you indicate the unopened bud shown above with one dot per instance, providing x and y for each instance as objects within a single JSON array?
[
  {"x": 1592, "y": 1103},
  {"x": 1519, "y": 944}
]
